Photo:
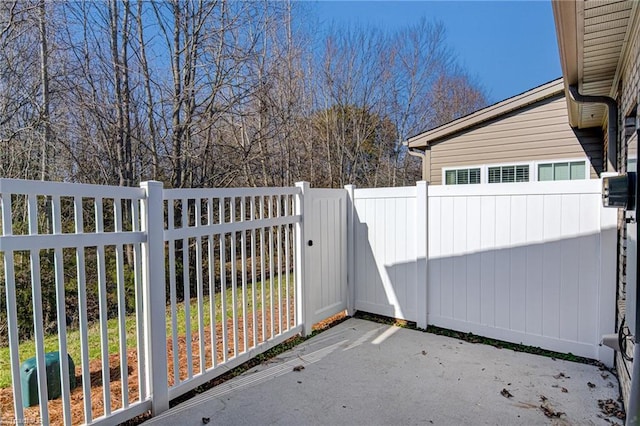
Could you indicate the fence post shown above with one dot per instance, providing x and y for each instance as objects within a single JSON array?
[
  {"x": 422, "y": 251},
  {"x": 608, "y": 278},
  {"x": 303, "y": 281},
  {"x": 351, "y": 272},
  {"x": 154, "y": 296}
]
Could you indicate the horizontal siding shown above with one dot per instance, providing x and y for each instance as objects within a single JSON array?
[
  {"x": 538, "y": 132},
  {"x": 629, "y": 97}
]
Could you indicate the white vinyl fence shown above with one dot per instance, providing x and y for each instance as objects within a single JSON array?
[
  {"x": 389, "y": 234},
  {"x": 241, "y": 245},
  {"x": 175, "y": 287},
  {"x": 225, "y": 260},
  {"x": 530, "y": 263},
  {"x": 71, "y": 240}
]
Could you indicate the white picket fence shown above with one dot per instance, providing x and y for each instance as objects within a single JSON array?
[
  {"x": 530, "y": 263},
  {"x": 226, "y": 258}
]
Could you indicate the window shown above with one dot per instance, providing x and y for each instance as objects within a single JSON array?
[
  {"x": 562, "y": 171},
  {"x": 504, "y": 174},
  {"x": 462, "y": 176}
]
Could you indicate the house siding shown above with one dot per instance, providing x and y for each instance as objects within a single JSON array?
[
  {"x": 540, "y": 131},
  {"x": 629, "y": 97}
]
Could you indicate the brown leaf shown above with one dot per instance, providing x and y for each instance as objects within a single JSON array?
[
  {"x": 591, "y": 385},
  {"x": 298, "y": 368},
  {"x": 564, "y": 390},
  {"x": 506, "y": 393},
  {"x": 550, "y": 412}
]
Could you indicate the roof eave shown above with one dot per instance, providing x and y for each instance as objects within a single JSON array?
[{"x": 537, "y": 94}]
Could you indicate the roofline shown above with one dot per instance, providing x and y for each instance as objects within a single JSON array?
[{"x": 506, "y": 106}]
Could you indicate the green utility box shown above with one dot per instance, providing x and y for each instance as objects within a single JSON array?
[{"x": 29, "y": 378}]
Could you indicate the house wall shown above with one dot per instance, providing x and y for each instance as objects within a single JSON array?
[
  {"x": 538, "y": 132},
  {"x": 628, "y": 97}
]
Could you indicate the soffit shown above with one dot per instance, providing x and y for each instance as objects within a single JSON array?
[{"x": 602, "y": 33}]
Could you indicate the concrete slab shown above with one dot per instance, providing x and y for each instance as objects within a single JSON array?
[{"x": 361, "y": 372}]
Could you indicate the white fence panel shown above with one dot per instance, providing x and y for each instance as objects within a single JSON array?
[
  {"x": 238, "y": 296},
  {"x": 386, "y": 251},
  {"x": 70, "y": 241},
  {"x": 522, "y": 263}
]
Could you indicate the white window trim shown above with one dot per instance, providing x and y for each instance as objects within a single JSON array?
[
  {"x": 587, "y": 165},
  {"x": 446, "y": 169},
  {"x": 533, "y": 168},
  {"x": 485, "y": 172}
]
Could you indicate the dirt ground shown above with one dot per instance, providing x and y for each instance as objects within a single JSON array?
[{"x": 32, "y": 414}]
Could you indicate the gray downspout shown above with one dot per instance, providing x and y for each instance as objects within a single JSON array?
[
  {"x": 612, "y": 107},
  {"x": 420, "y": 154}
]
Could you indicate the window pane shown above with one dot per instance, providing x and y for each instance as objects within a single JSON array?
[
  {"x": 561, "y": 171},
  {"x": 508, "y": 174},
  {"x": 474, "y": 175},
  {"x": 494, "y": 174},
  {"x": 545, "y": 172},
  {"x": 522, "y": 173},
  {"x": 450, "y": 177},
  {"x": 577, "y": 170},
  {"x": 463, "y": 176}
]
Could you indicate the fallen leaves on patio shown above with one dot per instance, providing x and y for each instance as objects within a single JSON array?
[{"x": 611, "y": 408}]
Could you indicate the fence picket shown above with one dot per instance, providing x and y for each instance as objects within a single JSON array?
[
  {"x": 102, "y": 307},
  {"x": 186, "y": 288},
  {"x": 140, "y": 322},
  {"x": 61, "y": 313},
  {"x": 10, "y": 294},
  {"x": 223, "y": 284},
  {"x": 263, "y": 273},
  {"x": 82, "y": 308},
  {"x": 243, "y": 257},
  {"x": 234, "y": 276},
  {"x": 173, "y": 298},
  {"x": 212, "y": 283},
  {"x": 199, "y": 284},
  {"x": 279, "y": 260},
  {"x": 253, "y": 274},
  {"x": 122, "y": 335}
]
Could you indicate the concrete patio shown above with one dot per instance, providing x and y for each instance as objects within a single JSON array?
[{"x": 361, "y": 372}]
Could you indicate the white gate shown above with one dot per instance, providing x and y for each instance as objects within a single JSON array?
[{"x": 325, "y": 251}]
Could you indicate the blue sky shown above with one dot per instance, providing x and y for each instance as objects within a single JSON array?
[{"x": 507, "y": 46}]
